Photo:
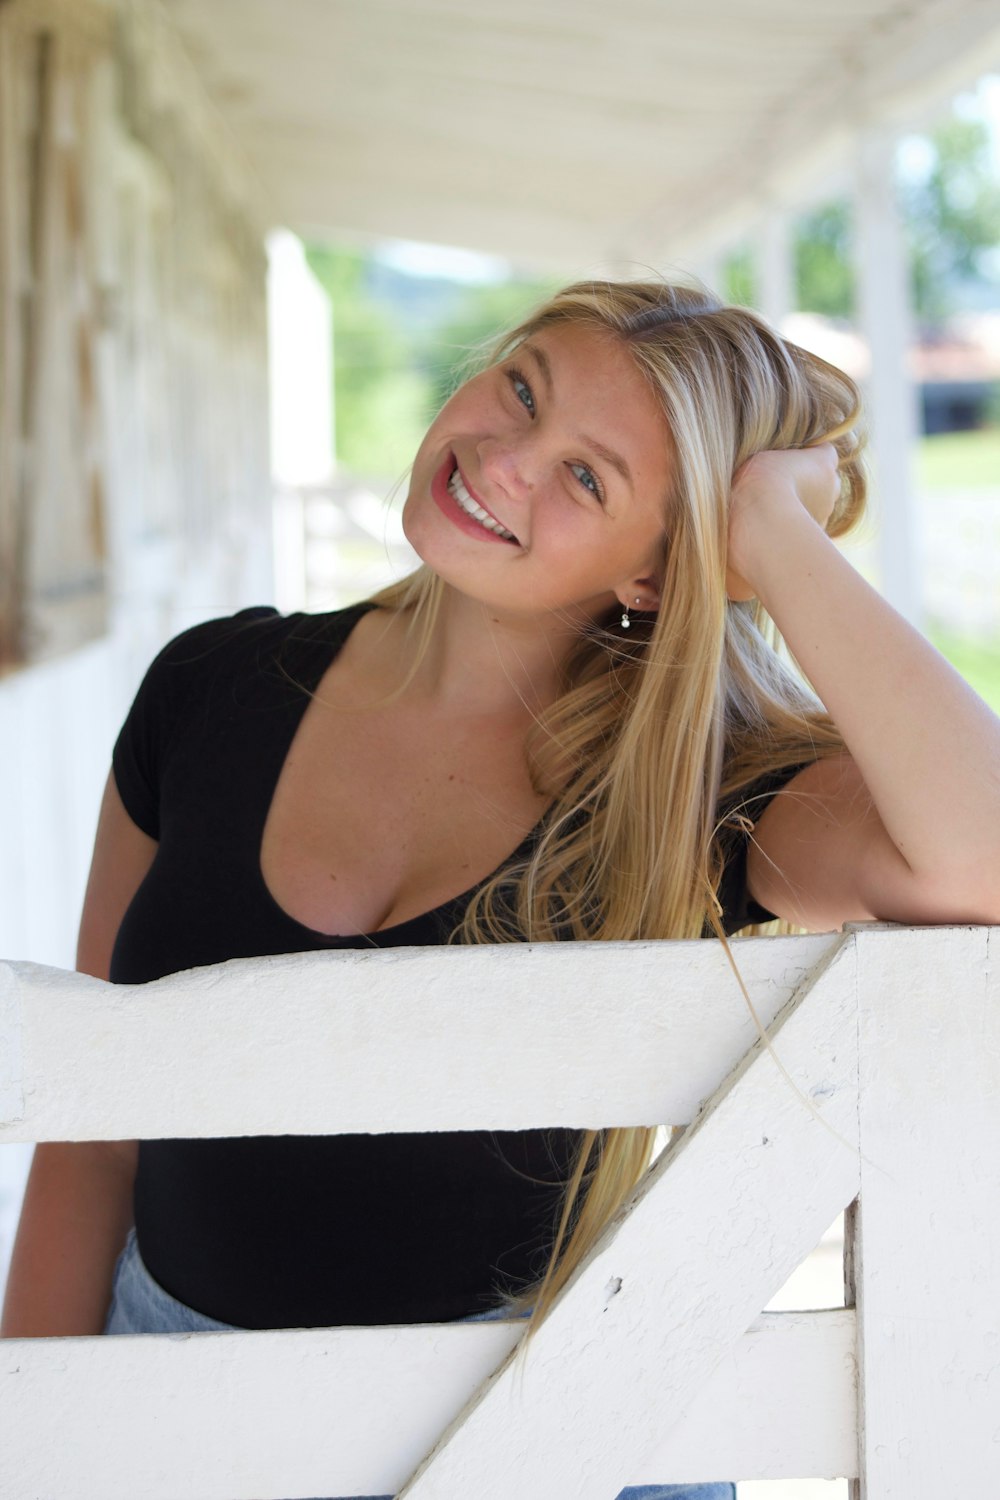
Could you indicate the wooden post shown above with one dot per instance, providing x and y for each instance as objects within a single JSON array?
[
  {"x": 926, "y": 1237},
  {"x": 884, "y": 281},
  {"x": 713, "y": 1232},
  {"x": 709, "y": 267},
  {"x": 10, "y": 346},
  {"x": 776, "y": 294}
]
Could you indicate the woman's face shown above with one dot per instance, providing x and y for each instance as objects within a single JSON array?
[{"x": 542, "y": 483}]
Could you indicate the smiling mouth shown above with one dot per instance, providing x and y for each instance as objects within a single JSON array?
[{"x": 472, "y": 508}]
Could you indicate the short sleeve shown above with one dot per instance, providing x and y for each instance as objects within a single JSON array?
[
  {"x": 158, "y": 708},
  {"x": 738, "y": 907}
]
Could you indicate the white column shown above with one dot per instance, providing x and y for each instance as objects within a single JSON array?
[
  {"x": 300, "y": 340},
  {"x": 925, "y": 1253},
  {"x": 300, "y": 346},
  {"x": 776, "y": 296},
  {"x": 886, "y": 318},
  {"x": 708, "y": 267}
]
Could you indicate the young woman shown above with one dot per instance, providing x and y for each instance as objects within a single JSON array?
[{"x": 568, "y": 724}]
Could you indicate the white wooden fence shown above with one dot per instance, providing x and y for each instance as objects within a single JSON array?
[{"x": 657, "y": 1364}]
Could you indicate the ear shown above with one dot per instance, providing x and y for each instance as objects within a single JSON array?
[{"x": 642, "y": 594}]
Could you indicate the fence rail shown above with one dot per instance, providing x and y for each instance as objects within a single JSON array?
[
  {"x": 657, "y": 1364},
  {"x": 331, "y": 1043}
]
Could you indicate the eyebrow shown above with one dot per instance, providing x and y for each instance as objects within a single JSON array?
[{"x": 608, "y": 454}]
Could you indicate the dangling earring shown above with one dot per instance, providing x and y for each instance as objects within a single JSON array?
[{"x": 626, "y": 622}]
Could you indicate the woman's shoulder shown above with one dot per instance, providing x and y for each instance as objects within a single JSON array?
[
  {"x": 741, "y": 805},
  {"x": 250, "y": 632},
  {"x": 236, "y": 669}
]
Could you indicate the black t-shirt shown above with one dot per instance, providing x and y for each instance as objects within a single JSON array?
[{"x": 303, "y": 1231}]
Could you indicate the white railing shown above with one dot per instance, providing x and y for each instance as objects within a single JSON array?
[{"x": 656, "y": 1365}]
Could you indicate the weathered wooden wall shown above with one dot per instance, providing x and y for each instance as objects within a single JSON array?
[
  {"x": 134, "y": 477},
  {"x": 133, "y": 404}
]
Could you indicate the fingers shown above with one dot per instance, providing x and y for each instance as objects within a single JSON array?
[
  {"x": 812, "y": 472},
  {"x": 766, "y": 491}
]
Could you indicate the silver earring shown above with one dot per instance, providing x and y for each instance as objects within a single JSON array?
[{"x": 626, "y": 622}]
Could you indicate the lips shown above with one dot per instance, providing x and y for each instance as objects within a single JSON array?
[
  {"x": 464, "y": 508},
  {"x": 475, "y": 508}
]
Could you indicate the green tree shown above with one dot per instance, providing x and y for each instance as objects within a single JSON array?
[
  {"x": 823, "y": 271},
  {"x": 824, "y": 275},
  {"x": 953, "y": 215},
  {"x": 380, "y": 392},
  {"x": 483, "y": 313},
  {"x": 739, "y": 277},
  {"x": 951, "y": 220}
]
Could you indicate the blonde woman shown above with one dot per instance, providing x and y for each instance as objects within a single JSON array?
[{"x": 569, "y": 724}]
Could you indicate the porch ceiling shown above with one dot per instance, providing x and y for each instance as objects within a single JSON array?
[{"x": 570, "y": 132}]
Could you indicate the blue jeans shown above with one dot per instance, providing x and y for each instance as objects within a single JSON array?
[{"x": 140, "y": 1305}]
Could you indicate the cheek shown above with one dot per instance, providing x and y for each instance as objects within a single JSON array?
[
  {"x": 463, "y": 409},
  {"x": 430, "y": 442}
]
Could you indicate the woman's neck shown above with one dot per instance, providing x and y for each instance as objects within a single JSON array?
[{"x": 479, "y": 660}]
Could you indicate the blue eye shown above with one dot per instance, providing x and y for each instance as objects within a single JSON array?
[
  {"x": 588, "y": 479},
  {"x": 522, "y": 390}
]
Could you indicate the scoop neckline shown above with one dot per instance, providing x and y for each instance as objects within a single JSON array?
[{"x": 311, "y": 681}]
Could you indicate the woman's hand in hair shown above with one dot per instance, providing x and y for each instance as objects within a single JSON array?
[{"x": 765, "y": 489}]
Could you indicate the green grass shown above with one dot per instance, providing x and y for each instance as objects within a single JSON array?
[
  {"x": 965, "y": 461},
  {"x": 960, "y": 461},
  {"x": 978, "y": 662}
]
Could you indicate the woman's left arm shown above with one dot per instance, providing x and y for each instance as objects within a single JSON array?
[{"x": 906, "y": 826}]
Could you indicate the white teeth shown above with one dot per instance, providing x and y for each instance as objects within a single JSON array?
[{"x": 475, "y": 510}]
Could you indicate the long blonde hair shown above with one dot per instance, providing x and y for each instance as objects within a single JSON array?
[{"x": 657, "y": 728}]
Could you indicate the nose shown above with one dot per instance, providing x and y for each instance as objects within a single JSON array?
[{"x": 509, "y": 464}]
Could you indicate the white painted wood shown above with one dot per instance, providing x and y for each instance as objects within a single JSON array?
[
  {"x": 56, "y": 732},
  {"x": 784, "y": 1404},
  {"x": 664, "y": 132},
  {"x": 776, "y": 296},
  {"x": 12, "y": 333},
  {"x": 708, "y": 267},
  {"x": 351, "y": 1411},
  {"x": 303, "y": 1043},
  {"x": 11, "y": 1064},
  {"x": 712, "y": 1233},
  {"x": 300, "y": 349},
  {"x": 927, "y": 1244},
  {"x": 654, "y": 1366},
  {"x": 883, "y": 283}
]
